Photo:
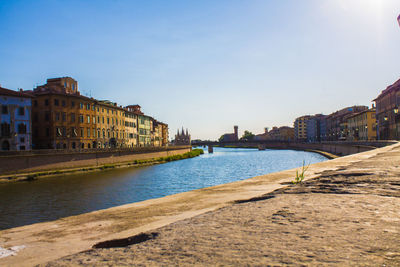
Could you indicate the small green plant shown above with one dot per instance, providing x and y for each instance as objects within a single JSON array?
[{"x": 300, "y": 175}]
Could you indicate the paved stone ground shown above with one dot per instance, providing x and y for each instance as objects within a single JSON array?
[{"x": 350, "y": 216}]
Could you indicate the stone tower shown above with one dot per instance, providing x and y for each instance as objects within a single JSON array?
[{"x": 236, "y": 132}]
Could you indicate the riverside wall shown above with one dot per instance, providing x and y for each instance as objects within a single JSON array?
[{"x": 42, "y": 160}]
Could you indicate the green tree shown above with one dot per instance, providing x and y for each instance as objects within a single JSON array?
[{"x": 247, "y": 136}]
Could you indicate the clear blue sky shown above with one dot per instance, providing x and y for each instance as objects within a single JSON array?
[{"x": 207, "y": 65}]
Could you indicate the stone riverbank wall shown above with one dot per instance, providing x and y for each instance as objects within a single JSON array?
[{"x": 41, "y": 160}]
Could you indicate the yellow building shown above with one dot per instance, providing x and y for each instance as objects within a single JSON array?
[
  {"x": 130, "y": 127},
  {"x": 362, "y": 126},
  {"x": 300, "y": 128},
  {"x": 156, "y": 133},
  {"x": 110, "y": 124}
]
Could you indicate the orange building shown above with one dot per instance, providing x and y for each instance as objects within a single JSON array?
[{"x": 61, "y": 117}]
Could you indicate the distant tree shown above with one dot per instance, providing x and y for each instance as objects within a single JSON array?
[
  {"x": 247, "y": 136},
  {"x": 221, "y": 138}
]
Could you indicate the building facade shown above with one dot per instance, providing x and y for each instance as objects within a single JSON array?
[
  {"x": 387, "y": 113},
  {"x": 283, "y": 133},
  {"x": 300, "y": 128},
  {"x": 61, "y": 117},
  {"x": 15, "y": 120},
  {"x": 336, "y": 123},
  {"x": 144, "y": 126},
  {"x": 131, "y": 127},
  {"x": 362, "y": 126},
  {"x": 231, "y": 137},
  {"x": 316, "y": 128},
  {"x": 110, "y": 124}
]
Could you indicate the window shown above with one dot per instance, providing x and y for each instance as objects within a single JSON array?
[
  {"x": 72, "y": 117},
  {"x": 57, "y": 116},
  {"x": 81, "y": 118},
  {"x": 87, "y": 106},
  {"x": 63, "y": 103},
  {"x": 58, "y": 131},
  {"x": 88, "y": 119},
  {"x": 93, "y": 107},
  {"x": 46, "y": 102},
  {"x": 98, "y": 119},
  {"x": 94, "y": 132},
  {"x": 56, "y": 103},
  {"x": 72, "y": 103},
  {"x": 94, "y": 119},
  {"x": 22, "y": 128},
  {"x": 21, "y": 111},
  {"x": 64, "y": 116},
  {"x": 35, "y": 117},
  {"x": 103, "y": 119},
  {"x": 64, "y": 131},
  {"x": 5, "y": 129},
  {"x": 4, "y": 109},
  {"x": 65, "y": 84},
  {"x": 73, "y": 87},
  {"x": 82, "y": 133},
  {"x": 81, "y": 105},
  {"x": 22, "y": 148},
  {"x": 73, "y": 132},
  {"x": 98, "y": 133},
  {"x": 108, "y": 120},
  {"x": 88, "y": 132},
  {"x": 35, "y": 103},
  {"x": 47, "y": 116}
]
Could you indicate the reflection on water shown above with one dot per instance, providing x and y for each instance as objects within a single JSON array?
[{"x": 52, "y": 198}]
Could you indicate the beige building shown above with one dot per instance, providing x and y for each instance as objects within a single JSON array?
[
  {"x": 300, "y": 128},
  {"x": 130, "y": 127},
  {"x": 362, "y": 126}
]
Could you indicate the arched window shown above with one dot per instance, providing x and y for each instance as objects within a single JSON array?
[
  {"x": 5, "y": 129},
  {"x": 5, "y": 145}
]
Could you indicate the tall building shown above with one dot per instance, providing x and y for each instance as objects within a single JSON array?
[
  {"x": 300, "y": 128},
  {"x": 130, "y": 127},
  {"x": 387, "y": 112},
  {"x": 144, "y": 126},
  {"x": 61, "y": 117},
  {"x": 316, "y": 128},
  {"x": 362, "y": 126},
  {"x": 15, "y": 120},
  {"x": 110, "y": 125},
  {"x": 336, "y": 123}
]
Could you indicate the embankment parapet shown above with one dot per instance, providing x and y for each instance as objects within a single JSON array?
[{"x": 56, "y": 159}]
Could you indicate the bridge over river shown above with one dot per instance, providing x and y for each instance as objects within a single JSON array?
[{"x": 340, "y": 148}]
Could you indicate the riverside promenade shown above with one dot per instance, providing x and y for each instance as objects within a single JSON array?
[{"x": 347, "y": 212}]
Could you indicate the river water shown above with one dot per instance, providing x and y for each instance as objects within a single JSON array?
[{"x": 48, "y": 199}]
